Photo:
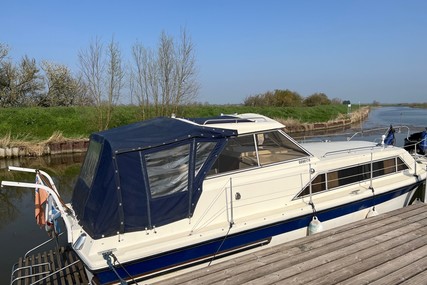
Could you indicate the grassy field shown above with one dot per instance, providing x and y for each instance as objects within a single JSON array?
[{"x": 37, "y": 124}]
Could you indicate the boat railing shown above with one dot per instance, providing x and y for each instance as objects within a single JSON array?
[
  {"x": 414, "y": 145},
  {"x": 51, "y": 190},
  {"x": 351, "y": 135},
  {"x": 40, "y": 245},
  {"x": 30, "y": 271},
  {"x": 349, "y": 150},
  {"x": 398, "y": 130}
]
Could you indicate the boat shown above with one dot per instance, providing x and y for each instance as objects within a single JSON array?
[
  {"x": 161, "y": 196},
  {"x": 417, "y": 143}
]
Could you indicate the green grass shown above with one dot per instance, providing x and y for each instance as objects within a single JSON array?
[
  {"x": 35, "y": 124},
  {"x": 303, "y": 114}
]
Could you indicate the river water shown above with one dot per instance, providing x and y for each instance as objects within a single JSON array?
[{"x": 19, "y": 232}]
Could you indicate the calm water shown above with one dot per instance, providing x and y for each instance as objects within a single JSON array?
[
  {"x": 404, "y": 119},
  {"x": 19, "y": 232}
]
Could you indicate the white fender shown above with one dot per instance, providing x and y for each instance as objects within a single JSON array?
[{"x": 315, "y": 226}]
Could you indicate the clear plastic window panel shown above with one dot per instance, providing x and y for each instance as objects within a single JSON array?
[
  {"x": 203, "y": 150},
  {"x": 91, "y": 162},
  {"x": 168, "y": 170}
]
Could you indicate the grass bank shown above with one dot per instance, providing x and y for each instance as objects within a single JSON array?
[{"x": 40, "y": 124}]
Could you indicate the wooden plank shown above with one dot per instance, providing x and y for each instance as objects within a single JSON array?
[
  {"x": 68, "y": 270},
  {"x": 292, "y": 248},
  {"x": 59, "y": 266},
  {"x": 392, "y": 272},
  {"x": 333, "y": 261},
  {"x": 46, "y": 258},
  {"x": 359, "y": 243},
  {"x": 19, "y": 272},
  {"x": 74, "y": 268},
  {"x": 31, "y": 260},
  {"x": 418, "y": 279},
  {"x": 55, "y": 279},
  {"x": 40, "y": 268},
  {"x": 26, "y": 271},
  {"x": 366, "y": 259},
  {"x": 413, "y": 267},
  {"x": 244, "y": 271},
  {"x": 81, "y": 271}
]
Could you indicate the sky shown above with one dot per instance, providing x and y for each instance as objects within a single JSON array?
[{"x": 357, "y": 50}]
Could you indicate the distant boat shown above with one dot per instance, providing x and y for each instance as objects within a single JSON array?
[
  {"x": 417, "y": 143},
  {"x": 162, "y": 195}
]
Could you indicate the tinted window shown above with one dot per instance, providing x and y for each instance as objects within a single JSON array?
[{"x": 353, "y": 174}]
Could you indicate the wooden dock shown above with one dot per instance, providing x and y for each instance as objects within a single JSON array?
[
  {"x": 41, "y": 268},
  {"x": 387, "y": 249}
]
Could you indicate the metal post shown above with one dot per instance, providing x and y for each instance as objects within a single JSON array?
[{"x": 231, "y": 203}]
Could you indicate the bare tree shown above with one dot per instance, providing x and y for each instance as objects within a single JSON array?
[
  {"x": 166, "y": 78},
  {"x": 103, "y": 73},
  {"x": 167, "y": 70},
  {"x": 144, "y": 77},
  {"x": 187, "y": 86},
  {"x": 92, "y": 69},
  {"x": 115, "y": 75}
]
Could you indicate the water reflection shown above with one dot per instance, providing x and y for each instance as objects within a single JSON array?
[
  {"x": 17, "y": 222},
  {"x": 63, "y": 169}
]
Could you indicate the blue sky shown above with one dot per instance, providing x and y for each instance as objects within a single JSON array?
[{"x": 358, "y": 50}]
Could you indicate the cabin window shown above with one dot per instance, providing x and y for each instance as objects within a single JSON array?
[
  {"x": 401, "y": 165},
  {"x": 239, "y": 153},
  {"x": 168, "y": 170},
  {"x": 91, "y": 162},
  {"x": 203, "y": 150},
  {"x": 275, "y": 147},
  {"x": 353, "y": 174}
]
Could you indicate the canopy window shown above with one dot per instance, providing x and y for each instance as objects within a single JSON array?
[
  {"x": 168, "y": 170},
  {"x": 91, "y": 162}
]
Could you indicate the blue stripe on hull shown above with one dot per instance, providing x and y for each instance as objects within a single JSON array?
[{"x": 206, "y": 249}]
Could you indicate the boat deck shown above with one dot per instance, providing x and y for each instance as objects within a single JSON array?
[
  {"x": 390, "y": 248},
  {"x": 50, "y": 267}
]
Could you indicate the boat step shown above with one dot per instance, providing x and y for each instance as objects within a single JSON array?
[{"x": 56, "y": 267}]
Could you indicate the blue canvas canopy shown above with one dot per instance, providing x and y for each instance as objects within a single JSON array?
[{"x": 144, "y": 175}]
